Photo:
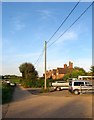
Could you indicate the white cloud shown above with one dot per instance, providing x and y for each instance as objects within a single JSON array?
[
  {"x": 72, "y": 34},
  {"x": 17, "y": 24},
  {"x": 69, "y": 36},
  {"x": 46, "y": 14}
]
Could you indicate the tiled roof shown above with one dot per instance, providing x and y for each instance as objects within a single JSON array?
[
  {"x": 62, "y": 70},
  {"x": 54, "y": 71}
]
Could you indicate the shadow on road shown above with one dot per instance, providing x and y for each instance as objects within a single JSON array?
[{"x": 35, "y": 91}]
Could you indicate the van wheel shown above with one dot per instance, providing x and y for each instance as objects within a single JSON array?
[
  {"x": 76, "y": 92},
  {"x": 58, "y": 89}
]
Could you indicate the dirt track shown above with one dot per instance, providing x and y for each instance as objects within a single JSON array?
[{"x": 53, "y": 105}]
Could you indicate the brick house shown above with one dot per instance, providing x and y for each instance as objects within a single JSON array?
[{"x": 60, "y": 72}]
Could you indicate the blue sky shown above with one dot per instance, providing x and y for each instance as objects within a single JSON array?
[{"x": 25, "y": 27}]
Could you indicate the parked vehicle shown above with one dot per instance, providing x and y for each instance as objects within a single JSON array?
[
  {"x": 13, "y": 84},
  {"x": 9, "y": 83},
  {"x": 80, "y": 86},
  {"x": 59, "y": 85}
]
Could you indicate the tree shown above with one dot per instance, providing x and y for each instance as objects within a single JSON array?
[
  {"x": 29, "y": 74},
  {"x": 80, "y": 69},
  {"x": 75, "y": 73},
  {"x": 92, "y": 70}
]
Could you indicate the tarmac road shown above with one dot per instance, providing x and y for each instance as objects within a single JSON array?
[{"x": 53, "y": 105}]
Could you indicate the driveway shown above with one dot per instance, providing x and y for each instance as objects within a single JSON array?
[{"x": 28, "y": 105}]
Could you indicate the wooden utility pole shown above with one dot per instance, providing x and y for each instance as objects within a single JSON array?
[{"x": 45, "y": 63}]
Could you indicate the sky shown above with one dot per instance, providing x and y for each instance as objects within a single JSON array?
[
  {"x": 47, "y": 0},
  {"x": 26, "y": 25}
]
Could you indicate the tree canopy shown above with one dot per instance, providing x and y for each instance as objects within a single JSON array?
[
  {"x": 28, "y": 71},
  {"x": 75, "y": 73},
  {"x": 92, "y": 70}
]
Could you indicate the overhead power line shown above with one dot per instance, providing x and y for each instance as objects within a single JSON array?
[
  {"x": 72, "y": 24},
  {"x": 63, "y": 21},
  {"x": 40, "y": 56}
]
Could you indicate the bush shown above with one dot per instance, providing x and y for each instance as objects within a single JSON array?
[
  {"x": 38, "y": 83},
  {"x": 26, "y": 83},
  {"x": 7, "y": 92}
]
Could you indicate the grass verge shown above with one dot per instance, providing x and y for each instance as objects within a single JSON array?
[{"x": 7, "y": 93}]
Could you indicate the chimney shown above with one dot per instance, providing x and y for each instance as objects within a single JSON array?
[
  {"x": 70, "y": 64},
  {"x": 65, "y": 65}
]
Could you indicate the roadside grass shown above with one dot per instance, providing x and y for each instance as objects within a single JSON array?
[
  {"x": 7, "y": 93},
  {"x": 45, "y": 90},
  {"x": 0, "y": 91}
]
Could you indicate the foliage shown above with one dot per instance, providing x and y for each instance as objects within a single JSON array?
[
  {"x": 29, "y": 74},
  {"x": 7, "y": 92},
  {"x": 39, "y": 83},
  {"x": 10, "y": 77},
  {"x": 80, "y": 70},
  {"x": 26, "y": 83},
  {"x": 75, "y": 73},
  {"x": 1, "y": 77},
  {"x": 28, "y": 71},
  {"x": 92, "y": 70},
  {"x": 66, "y": 76}
]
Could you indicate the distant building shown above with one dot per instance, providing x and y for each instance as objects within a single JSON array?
[{"x": 59, "y": 72}]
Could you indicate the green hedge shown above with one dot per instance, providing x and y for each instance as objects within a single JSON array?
[
  {"x": 7, "y": 92},
  {"x": 38, "y": 83}
]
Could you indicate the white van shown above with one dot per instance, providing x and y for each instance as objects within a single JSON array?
[
  {"x": 80, "y": 86},
  {"x": 60, "y": 85}
]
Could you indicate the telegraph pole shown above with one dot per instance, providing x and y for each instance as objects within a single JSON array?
[{"x": 45, "y": 63}]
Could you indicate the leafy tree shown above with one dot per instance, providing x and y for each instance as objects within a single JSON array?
[
  {"x": 29, "y": 74},
  {"x": 28, "y": 71},
  {"x": 80, "y": 69},
  {"x": 75, "y": 73},
  {"x": 92, "y": 70}
]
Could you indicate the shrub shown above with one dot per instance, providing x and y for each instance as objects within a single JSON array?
[
  {"x": 35, "y": 83},
  {"x": 7, "y": 92}
]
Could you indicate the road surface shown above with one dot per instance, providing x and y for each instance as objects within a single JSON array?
[{"x": 49, "y": 105}]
